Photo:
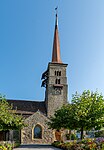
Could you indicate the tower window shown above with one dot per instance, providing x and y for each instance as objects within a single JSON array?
[
  {"x": 55, "y": 73},
  {"x": 57, "y": 81},
  {"x": 38, "y": 132},
  {"x": 58, "y": 73}
]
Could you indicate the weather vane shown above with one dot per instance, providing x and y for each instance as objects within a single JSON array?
[{"x": 56, "y": 9}]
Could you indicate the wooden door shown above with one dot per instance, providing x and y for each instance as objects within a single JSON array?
[{"x": 58, "y": 135}]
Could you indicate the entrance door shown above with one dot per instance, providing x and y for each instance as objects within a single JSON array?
[{"x": 58, "y": 135}]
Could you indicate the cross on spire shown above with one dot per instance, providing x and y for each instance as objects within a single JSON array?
[{"x": 56, "y": 10}]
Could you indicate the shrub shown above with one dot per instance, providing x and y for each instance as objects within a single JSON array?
[
  {"x": 77, "y": 147},
  {"x": 68, "y": 136},
  {"x": 16, "y": 144},
  {"x": 6, "y": 145},
  {"x": 56, "y": 143},
  {"x": 71, "y": 136},
  {"x": 2, "y": 147},
  {"x": 99, "y": 133},
  {"x": 85, "y": 144}
]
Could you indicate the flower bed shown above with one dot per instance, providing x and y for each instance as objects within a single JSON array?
[
  {"x": 85, "y": 144},
  {"x": 7, "y": 145}
]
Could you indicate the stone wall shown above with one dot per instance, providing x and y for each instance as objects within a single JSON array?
[
  {"x": 27, "y": 132},
  {"x": 56, "y": 94}
]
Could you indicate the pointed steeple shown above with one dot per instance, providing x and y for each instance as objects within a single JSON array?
[{"x": 56, "y": 58}]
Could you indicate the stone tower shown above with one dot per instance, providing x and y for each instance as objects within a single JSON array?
[{"x": 54, "y": 79}]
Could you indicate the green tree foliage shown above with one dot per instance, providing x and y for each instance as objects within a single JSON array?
[
  {"x": 63, "y": 118},
  {"x": 8, "y": 117},
  {"x": 89, "y": 110},
  {"x": 84, "y": 113}
]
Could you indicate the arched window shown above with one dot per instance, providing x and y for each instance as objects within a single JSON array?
[
  {"x": 59, "y": 73},
  {"x": 38, "y": 132},
  {"x": 55, "y": 73},
  {"x": 57, "y": 81}
]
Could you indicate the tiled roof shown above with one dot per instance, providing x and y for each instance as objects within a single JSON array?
[{"x": 28, "y": 107}]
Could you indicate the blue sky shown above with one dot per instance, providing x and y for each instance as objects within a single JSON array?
[{"x": 26, "y": 39}]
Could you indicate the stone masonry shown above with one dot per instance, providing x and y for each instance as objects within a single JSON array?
[
  {"x": 56, "y": 93},
  {"x": 27, "y": 132}
]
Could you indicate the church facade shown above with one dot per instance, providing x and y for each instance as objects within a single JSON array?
[{"x": 37, "y": 113}]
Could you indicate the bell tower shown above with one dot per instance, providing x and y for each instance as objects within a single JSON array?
[{"x": 54, "y": 79}]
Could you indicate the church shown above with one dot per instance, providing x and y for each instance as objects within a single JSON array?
[{"x": 37, "y": 113}]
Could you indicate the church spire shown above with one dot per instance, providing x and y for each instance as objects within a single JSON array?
[{"x": 56, "y": 44}]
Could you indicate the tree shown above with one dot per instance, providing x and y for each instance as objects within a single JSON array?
[
  {"x": 8, "y": 117},
  {"x": 89, "y": 110},
  {"x": 63, "y": 118},
  {"x": 85, "y": 112}
]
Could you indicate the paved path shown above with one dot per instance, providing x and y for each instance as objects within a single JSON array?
[{"x": 36, "y": 147}]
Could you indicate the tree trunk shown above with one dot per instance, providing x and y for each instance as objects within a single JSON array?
[
  {"x": 81, "y": 133},
  {"x": 70, "y": 134}
]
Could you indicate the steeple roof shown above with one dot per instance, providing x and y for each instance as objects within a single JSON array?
[{"x": 56, "y": 58}]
